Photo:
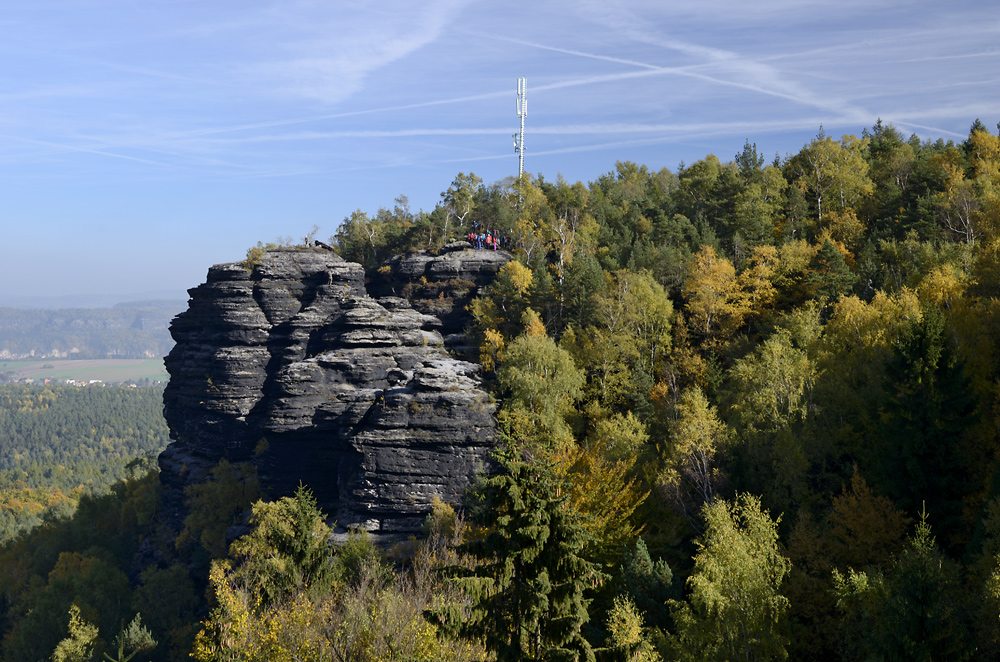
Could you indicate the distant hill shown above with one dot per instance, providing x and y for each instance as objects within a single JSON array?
[
  {"x": 60, "y": 301},
  {"x": 128, "y": 330}
]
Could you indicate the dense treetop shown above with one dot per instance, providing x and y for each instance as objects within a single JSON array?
[
  {"x": 60, "y": 442},
  {"x": 811, "y": 331}
]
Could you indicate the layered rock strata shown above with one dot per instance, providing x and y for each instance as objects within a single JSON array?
[
  {"x": 442, "y": 285},
  {"x": 292, "y": 366}
]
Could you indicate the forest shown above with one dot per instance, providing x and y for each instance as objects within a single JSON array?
[
  {"x": 749, "y": 410},
  {"x": 62, "y": 442}
]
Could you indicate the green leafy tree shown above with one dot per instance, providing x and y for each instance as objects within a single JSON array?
[
  {"x": 835, "y": 173},
  {"x": 605, "y": 495},
  {"x": 716, "y": 304},
  {"x": 216, "y": 504},
  {"x": 771, "y": 394},
  {"x": 773, "y": 385},
  {"x": 359, "y": 559},
  {"x": 698, "y": 183},
  {"x": 543, "y": 383},
  {"x": 79, "y": 645},
  {"x": 460, "y": 202},
  {"x": 571, "y": 232},
  {"x": 498, "y": 311},
  {"x": 627, "y": 640},
  {"x": 690, "y": 475},
  {"x": 734, "y": 610},
  {"x": 618, "y": 437},
  {"x": 358, "y": 239},
  {"x": 534, "y": 215},
  {"x": 632, "y": 336},
  {"x": 958, "y": 204}
]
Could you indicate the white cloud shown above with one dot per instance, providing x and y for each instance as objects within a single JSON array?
[{"x": 330, "y": 57}]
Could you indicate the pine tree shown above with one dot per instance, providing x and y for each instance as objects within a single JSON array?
[
  {"x": 528, "y": 587},
  {"x": 918, "y": 449},
  {"x": 649, "y": 583},
  {"x": 915, "y": 612},
  {"x": 289, "y": 547},
  {"x": 829, "y": 275}
]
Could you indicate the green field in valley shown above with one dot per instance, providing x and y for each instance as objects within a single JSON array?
[{"x": 105, "y": 370}]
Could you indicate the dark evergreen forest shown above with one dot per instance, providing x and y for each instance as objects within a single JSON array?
[
  {"x": 750, "y": 410},
  {"x": 58, "y": 443}
]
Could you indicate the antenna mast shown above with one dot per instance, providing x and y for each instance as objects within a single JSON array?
[{"x": 522, "y": 111}]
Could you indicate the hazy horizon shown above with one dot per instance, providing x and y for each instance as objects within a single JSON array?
[{"x": 87, "y": 299}]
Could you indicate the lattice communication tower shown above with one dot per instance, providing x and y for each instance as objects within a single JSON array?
[{"x": 522, "y": 112}]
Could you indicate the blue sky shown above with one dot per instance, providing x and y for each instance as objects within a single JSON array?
[{"x": 141, "y": 142}]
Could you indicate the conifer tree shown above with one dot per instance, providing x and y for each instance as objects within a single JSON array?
[
  {"x": 528, "y": 588},
  {"x": 649, "y": 583},
  {"x": 915, "y": 612},
  {"x": 829, "y": 274},
  {"x": 919, "y": 446},
  {"x": 288, "y": 549}
]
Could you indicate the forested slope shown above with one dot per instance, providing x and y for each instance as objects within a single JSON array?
[
  {"x": 750, "y": 411},
  {"x": 811, "y": 339}
]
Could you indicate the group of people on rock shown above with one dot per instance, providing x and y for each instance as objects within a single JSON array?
[{"x": 490, "y": 240}]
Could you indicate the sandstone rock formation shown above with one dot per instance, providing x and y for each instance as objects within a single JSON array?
[
  {"x": 294, "y": 367},
  {"x": 442, "y": 285}
]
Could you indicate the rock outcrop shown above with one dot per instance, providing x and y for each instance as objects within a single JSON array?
[
  {"x": 294, "y": 367},
  {"x": 442, "y": 285}
]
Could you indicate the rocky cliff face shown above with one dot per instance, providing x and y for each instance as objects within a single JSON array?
[{"x": 294, "y": 367}]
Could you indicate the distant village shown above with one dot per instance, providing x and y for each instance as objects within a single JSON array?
[
  {"x": 56, "y": 353},
  {"x": 14, "y": 378}
]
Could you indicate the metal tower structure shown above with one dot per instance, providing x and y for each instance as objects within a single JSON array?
[{"x": 522, "y": 112}]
